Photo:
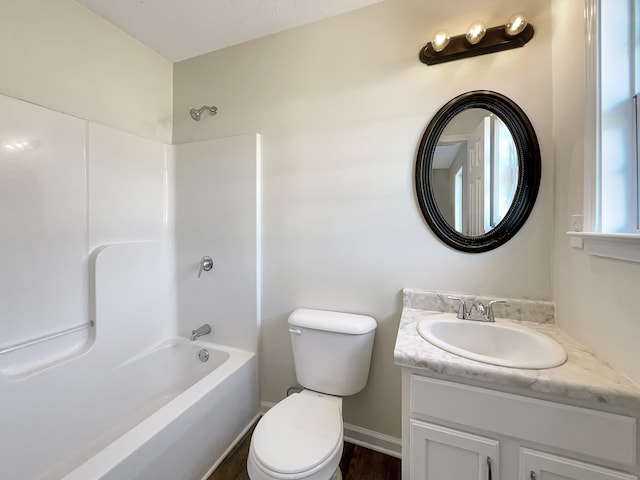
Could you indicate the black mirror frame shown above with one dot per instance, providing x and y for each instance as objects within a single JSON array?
[{"x": 529, "y": 163}]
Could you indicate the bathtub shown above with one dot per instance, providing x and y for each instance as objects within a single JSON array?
[{"x": 161, "y": 414}]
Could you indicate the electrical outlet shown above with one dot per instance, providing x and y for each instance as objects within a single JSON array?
[{"x": 575, "y": 225}]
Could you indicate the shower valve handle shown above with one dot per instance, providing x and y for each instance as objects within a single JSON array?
[{"x": 206, "y": 264}]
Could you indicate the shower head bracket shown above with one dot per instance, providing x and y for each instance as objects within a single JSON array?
[{"x": 196, "y": 113}]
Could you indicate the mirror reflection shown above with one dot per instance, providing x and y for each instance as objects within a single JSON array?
[{"x": 475, "y": 172}]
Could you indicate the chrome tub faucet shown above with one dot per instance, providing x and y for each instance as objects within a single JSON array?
[{"x": 200, "y": 331}]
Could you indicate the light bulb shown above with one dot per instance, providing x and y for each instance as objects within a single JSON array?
[
  {"x": 476, "y": 32},
  {"x": 440, "y": 40},
  {"x": 515, "y": 25}
]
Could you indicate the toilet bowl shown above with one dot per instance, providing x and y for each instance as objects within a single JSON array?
[{"x": 299, "y": 438}]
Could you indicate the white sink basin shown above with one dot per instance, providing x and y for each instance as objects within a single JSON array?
[{"x": 494, "y": 343}]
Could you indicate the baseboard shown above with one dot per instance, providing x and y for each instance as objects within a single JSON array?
[
  {"x": 363, "y": 437},
  {"x": 265, "y": 406},
  {"x": 372, "y": 440}
]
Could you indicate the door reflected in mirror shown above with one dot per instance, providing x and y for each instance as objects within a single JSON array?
[{"x": 475, "y": 172}]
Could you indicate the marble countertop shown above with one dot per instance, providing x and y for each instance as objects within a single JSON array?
[{"x": 582, "y": 377}]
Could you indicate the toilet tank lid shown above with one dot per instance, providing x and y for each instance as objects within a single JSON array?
[{"x": 338, "y": 322}]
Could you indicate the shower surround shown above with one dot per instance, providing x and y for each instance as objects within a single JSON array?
[{"x": 90, "y": 302}]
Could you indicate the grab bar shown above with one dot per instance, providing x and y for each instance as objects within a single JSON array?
[{"x": 44, "y": 338}]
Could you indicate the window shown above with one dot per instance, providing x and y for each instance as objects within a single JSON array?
[
  {"x": 618, "y": 164},
  {"x": 612, "y": 198},
  {"x": 458, "y": 187},
  {"x": 504, "y": 161}
]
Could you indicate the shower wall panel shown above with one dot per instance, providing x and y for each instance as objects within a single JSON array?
[
  {"x": 67, "y": 187},
  {"x": 218, "y": 215},
  {"x": 43, "y": 221}
]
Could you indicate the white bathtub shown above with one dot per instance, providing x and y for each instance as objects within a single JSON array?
[{"x": 162, "y": 414}]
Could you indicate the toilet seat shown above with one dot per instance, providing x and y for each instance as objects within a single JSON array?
[{"x": 299, "y": 436}]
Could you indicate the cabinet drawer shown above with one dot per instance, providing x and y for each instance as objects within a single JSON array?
[
  {"x": 597, "y": 434},
  {"x": 543, "y": 465}
]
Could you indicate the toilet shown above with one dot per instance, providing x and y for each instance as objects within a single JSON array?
[{"x": 301, "y": 437}]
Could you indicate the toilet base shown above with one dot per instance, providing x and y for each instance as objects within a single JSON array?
[{"x": 337, "y": 475}]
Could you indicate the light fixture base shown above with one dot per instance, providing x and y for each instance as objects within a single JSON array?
[{"x": 495, "y": 40}]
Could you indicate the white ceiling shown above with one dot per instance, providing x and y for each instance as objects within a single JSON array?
[{"x": 181, "y": 29}]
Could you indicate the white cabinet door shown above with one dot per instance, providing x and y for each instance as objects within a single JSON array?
[
  {"x": 543, "y": 466},
  {"x": 440, "y": 453}
]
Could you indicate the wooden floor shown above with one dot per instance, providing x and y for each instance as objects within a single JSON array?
[{"x": 357, "y": 463}]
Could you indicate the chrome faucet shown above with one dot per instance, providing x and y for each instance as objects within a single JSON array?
[
  {"x": 198, "y": 332},
  {"x": 485, "y": 311},
  {"x": 462, "y": 308}
]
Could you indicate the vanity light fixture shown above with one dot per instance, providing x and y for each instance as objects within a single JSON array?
[
  {"x": 440, "y": 40},
  {"x": 476, "y": 32},
  {"x": 515, "y": 25},
  {"x": 479, "y": 40}
]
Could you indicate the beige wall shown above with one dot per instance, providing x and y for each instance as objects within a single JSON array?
[
  {"x": 595, "y": 297},
  {"x": 58, "y": 54},
  {"x": 341, "y": 106}
]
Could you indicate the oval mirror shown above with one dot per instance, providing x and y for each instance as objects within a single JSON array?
[{"x": 478, "y": 171}]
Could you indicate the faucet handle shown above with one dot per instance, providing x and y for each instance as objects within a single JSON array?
[
  {"x": 489, "y": 309},
  {"x": 462, "y": 308}
]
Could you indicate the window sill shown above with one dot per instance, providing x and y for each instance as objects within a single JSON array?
[{"x": 621, "y": 246}]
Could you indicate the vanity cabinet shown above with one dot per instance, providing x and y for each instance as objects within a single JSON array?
[{"x": 453, "y": 431}]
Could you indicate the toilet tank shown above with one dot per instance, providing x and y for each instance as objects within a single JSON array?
[{"x": 331, "y": 350}]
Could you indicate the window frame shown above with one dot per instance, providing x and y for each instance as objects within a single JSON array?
[{"x": 621, "y": 246}]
